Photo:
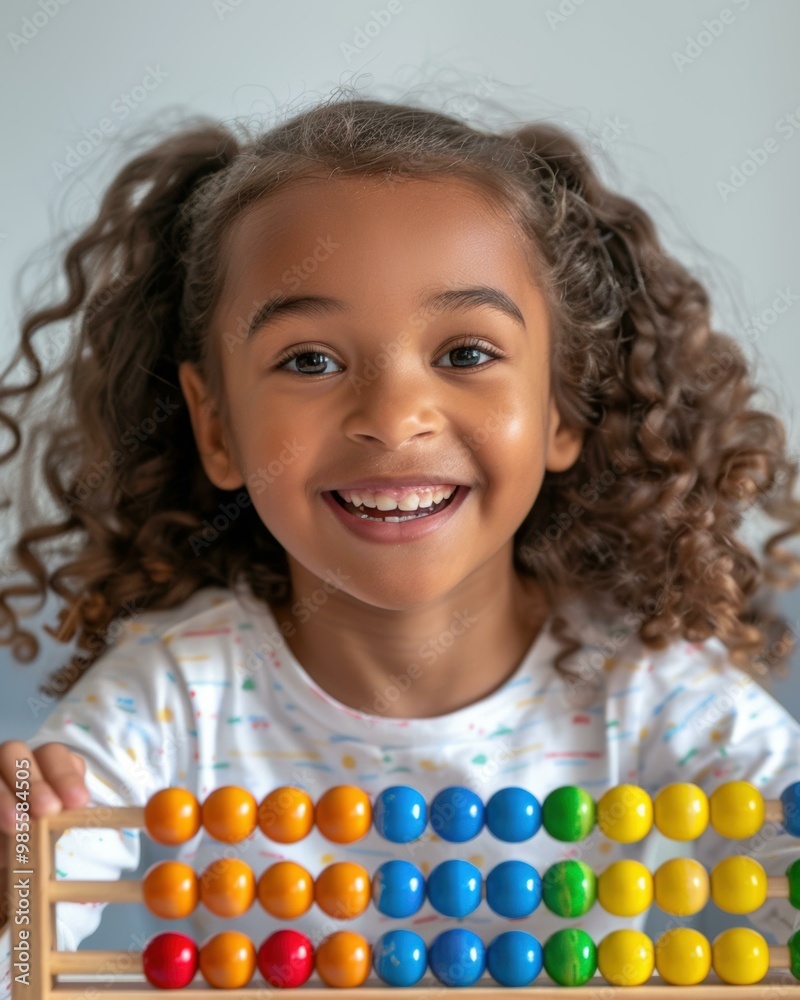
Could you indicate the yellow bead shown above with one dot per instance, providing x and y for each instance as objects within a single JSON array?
[
  {"x": 737, "y": 810},
  {"x": 740, "y": 956},
  {"x": 683, "y": 956},
  {"x": 739, "y": 884},
  {"x": 626, "y": 958},
  {"x": 681, "y": 811},
  {"x": 625, "y": 813},
  {"x": 625, "y": 888},
  {"x": 681, "y": 886}
]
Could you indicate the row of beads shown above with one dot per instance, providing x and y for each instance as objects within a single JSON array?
[
  {"x": 455, "y": 888},
  {"x": 343, "y": 814},
  {"x": 457, "y": 957}
]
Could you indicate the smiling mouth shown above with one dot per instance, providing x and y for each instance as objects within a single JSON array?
[{"x": 373, "y": 514}]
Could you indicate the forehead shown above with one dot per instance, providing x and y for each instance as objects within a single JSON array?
[{"x": 384, "y": 229}]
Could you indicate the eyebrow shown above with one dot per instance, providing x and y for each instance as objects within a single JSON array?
[{"x": 449, "y": 300}]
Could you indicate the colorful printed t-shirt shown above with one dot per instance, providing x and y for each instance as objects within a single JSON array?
[{"x": 209, "y": 694}]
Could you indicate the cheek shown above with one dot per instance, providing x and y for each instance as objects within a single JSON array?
[{"x": 509, "y": 435}]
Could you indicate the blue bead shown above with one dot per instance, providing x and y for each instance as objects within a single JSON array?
[
  {"x": 400, "y": 814},
  {"x": 513, "y": 889},
  {"x": 790, "y": 797},
  {"x": 514, "y": 958},
  {"x": 398, "y": 888},
  {"x": 457, "y": 814},
  {"x": 400, "y": 958},
  {"x": 457, "y": 957},
  {"x": 513, "y": 814},
  {"x": 454, "y": 888}
]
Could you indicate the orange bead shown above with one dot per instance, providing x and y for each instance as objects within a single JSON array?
[
  {"x": 229, "y": 814},
  {"x": 286, "y": 815},
  {"x": 343, "y": 890},
  {"x": 228, "y": 960},
  {"x": 172, "y": 816},
  {"x": 286, "y": 890},
  {"x": 228, "y": 887},
  {"x": 343, "y": 814},
  {"x": 343, "y": 959},
  {"x": 170, "y": 889}
]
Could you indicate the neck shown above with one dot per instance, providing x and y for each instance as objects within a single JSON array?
[{"x": 422, "y": 662}]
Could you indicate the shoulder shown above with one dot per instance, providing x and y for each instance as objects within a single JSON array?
[
  {"x": 205, "y": 606},
  {"x": 145, "y": 646},
  {"x": 208, "y": 640},
  {"x": 682, "y": 672},
  {"x": 615, "y": 635},
  {"x": 204, "y": 628}
]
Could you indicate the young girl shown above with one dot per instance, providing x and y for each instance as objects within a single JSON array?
[{"x": 400, "y": 453}]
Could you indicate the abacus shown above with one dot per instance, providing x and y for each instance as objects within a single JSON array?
[{"x": 626, "y": 958}]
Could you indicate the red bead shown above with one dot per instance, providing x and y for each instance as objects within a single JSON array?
[
  {"x": 286, "y": 958},
  {"x": 170, "y": 960}
]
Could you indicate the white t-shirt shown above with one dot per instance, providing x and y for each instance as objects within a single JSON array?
[{"x": 209, "y": 694}]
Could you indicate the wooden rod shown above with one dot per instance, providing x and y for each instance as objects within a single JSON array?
[
  {"x": 92, "y": 962},
  {"x": 119, "y": 817},
  {"x": 42, "y": 922},
  {"x": 777, "y": 887},
  {"x": 779, "y": 957},
  {"x": 130, "y": 962},
  {"x": 654, "y": 989},
  {"x": 101, "y": 817},
  {"x": 75, "y": 891},
  {"x": 132, "y": 890}
]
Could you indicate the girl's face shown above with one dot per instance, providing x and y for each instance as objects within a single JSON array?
[{"x": 383, "y": 386}]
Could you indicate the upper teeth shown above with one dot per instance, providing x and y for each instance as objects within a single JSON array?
[{"x": 424, "y": 496}]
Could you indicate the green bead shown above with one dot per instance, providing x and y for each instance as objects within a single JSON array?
[
  {"x": 793, "y": 874},
  {"x": 568, "y": 813},
  {"x": 570, "y": 957},
  {"x": 569, "y": 888},
  {"x": 794, "y": 954}
]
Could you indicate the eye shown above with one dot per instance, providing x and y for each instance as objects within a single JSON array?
[
  {"x": 467, "y": 348},
  {"x": 304, "y": 352},
  {"x": 308, "y": 355}
]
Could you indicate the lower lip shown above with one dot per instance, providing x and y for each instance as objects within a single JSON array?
[{"x": 396, "y": 531}]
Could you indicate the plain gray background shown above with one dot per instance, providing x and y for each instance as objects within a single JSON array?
[{"x": 672, "y": 98}]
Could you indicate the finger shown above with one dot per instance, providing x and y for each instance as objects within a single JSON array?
[
  {"x": 80, "y": 762},
  {"x": 15, "y": 758},
  {"x": 64, "y": 771},
  {"x": 51, "y": 771}
]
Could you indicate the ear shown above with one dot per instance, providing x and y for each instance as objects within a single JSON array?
[
  {"x": 564, "y": 444},
  {"x": 210, "y": 434}
]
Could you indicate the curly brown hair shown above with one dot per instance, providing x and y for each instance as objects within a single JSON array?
[{"x": 642, "y": 523}]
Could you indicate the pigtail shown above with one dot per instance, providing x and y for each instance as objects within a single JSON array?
[
  {"x": 670, "y": 439},
  {"x": 116, "y": 462}
]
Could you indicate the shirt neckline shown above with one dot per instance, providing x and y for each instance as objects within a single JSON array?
[{"x": 301, "y": 692}]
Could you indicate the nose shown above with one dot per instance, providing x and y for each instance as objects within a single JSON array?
[{"x": 392, "y": 408}]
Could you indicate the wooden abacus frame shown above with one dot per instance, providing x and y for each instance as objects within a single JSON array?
[{"x": 34, "y": 891}]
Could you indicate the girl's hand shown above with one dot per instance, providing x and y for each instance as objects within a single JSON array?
[{"x": 55, "y": 780}]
